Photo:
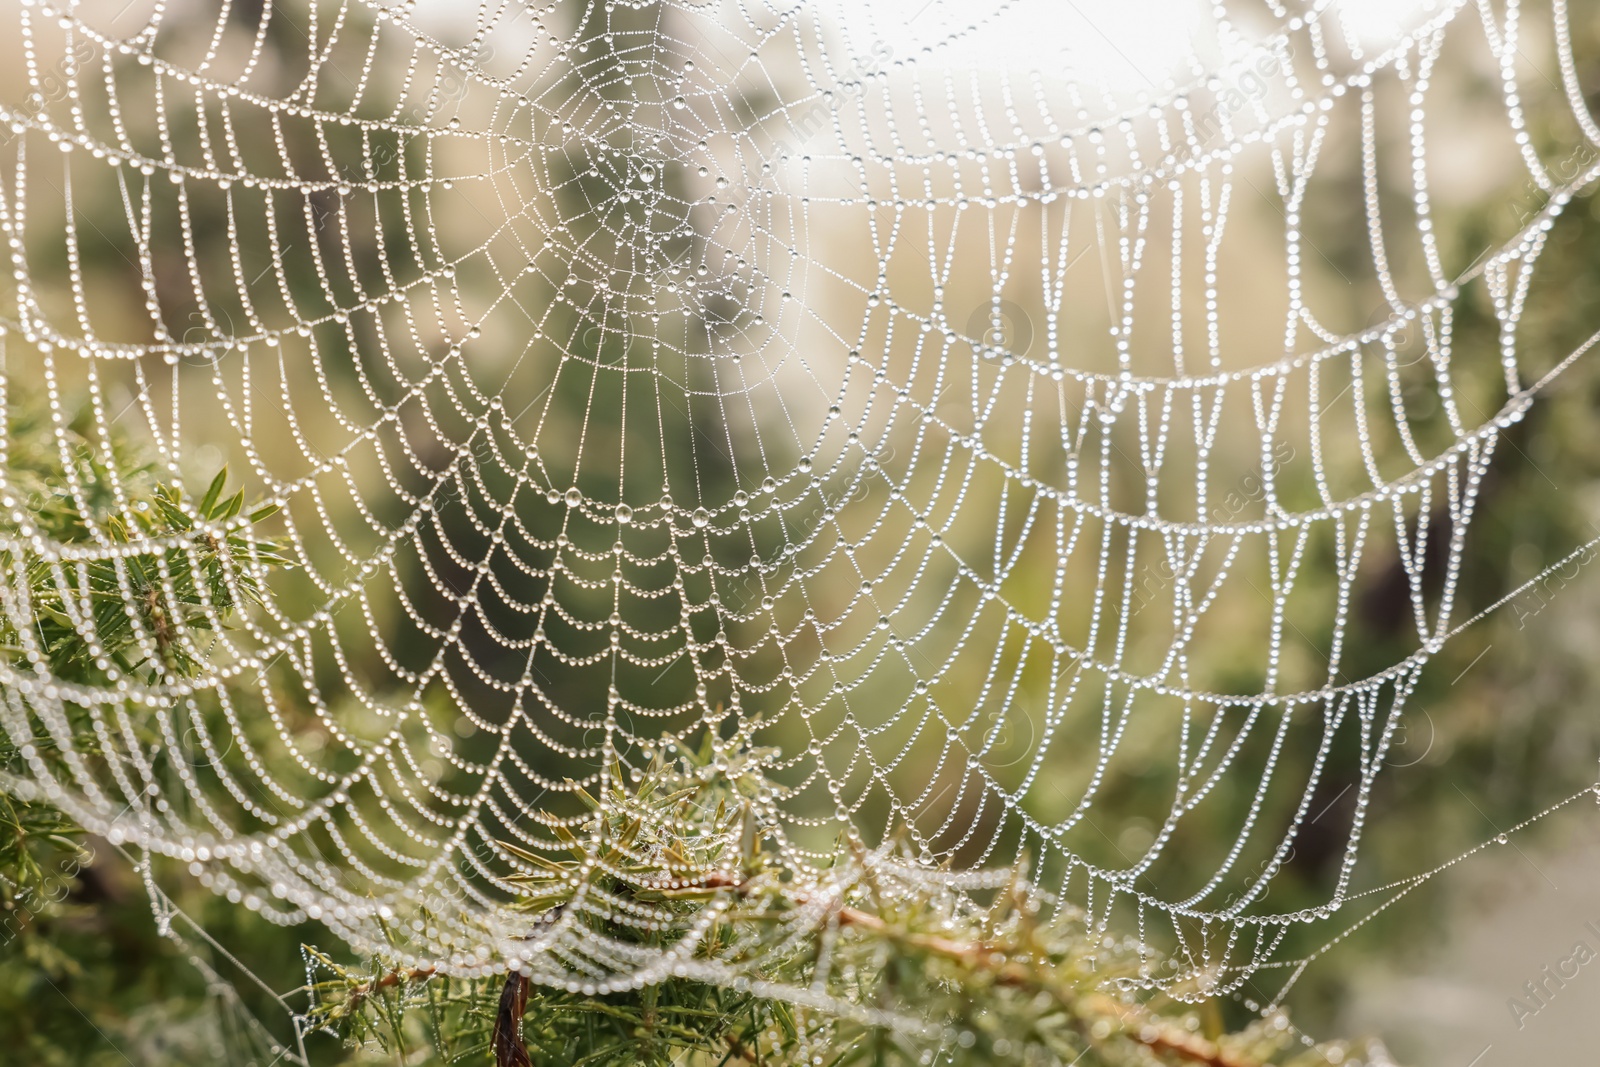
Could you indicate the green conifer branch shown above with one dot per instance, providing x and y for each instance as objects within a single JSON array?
[
  {"x": 897, "y": 970},
  {"x": 61, "y": 488},
  {"x": 870, "y": 961}
]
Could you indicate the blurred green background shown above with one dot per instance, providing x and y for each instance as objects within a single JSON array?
[{"x": 1498, "y": 729}]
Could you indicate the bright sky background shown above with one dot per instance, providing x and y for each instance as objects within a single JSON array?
[{"x": 1129, "y": 46}]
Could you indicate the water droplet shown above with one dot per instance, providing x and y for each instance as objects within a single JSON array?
[
  {"x": 647, "y": 173},
  {"x": 701, "y": 517},
  {"x": 624, "y": 513},
  {"x": 574, "y": 497},
  {"x": 1502, "y": 839}
]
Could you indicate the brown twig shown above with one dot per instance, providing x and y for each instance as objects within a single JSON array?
[
  {"x": 1194, "y": 1049},
  {"x": 509, "y": 1051},
  {"x": 740, "y": 1049},
  {"x": 395, "y": 977}
]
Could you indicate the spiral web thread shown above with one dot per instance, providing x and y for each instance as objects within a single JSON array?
[{"x": 631, "y": 373}]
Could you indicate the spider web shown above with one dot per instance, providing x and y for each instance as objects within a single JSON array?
[{"x": 969, "y": 433}]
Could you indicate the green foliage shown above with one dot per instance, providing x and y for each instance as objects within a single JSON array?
[
  {"x": 74, "y": 940},
  {"x": 873, "y": 960},
  {"x": 143, "y": 605}
]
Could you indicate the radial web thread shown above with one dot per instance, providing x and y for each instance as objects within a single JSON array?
[{"x": 968, "y": 439}]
